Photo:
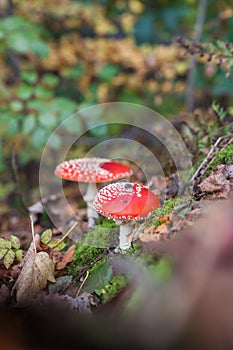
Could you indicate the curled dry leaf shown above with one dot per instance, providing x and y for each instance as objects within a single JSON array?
[
  {"x": 154, "y": 233},
  {"x": 67, "y": 258},
  {"x": 81, "y": 303},
  {"x": 37, "y": 270},
  {"x": 218, "y": 182}
]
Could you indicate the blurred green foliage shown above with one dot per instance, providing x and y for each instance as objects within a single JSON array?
[{"x": 55, "y": 60}]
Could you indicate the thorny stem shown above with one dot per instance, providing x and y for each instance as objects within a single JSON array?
[
  {"x": 66, "y": 234},
  {"x": 33, "y": 234}
]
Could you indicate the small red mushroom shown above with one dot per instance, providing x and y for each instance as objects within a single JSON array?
[
  {"x": 91, "y": 170},
  {"x": 125, "y": 202}
]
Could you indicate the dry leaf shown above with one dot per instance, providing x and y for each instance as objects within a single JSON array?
[
  {"x": 67, "y": 258},
  {"x": 217, "y": 183},
  {"x": 81, "y": 303},
  {"x": 31, "y": 249},
  {"x": 154, "y": 233},
  {"x": 37, "y": 270}
]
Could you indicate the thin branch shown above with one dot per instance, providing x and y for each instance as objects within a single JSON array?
[
  {"x": 67, "y": 233},
  {"x": 82, "y": 284},
  {"x": 210, "y": 158},
  {"x": 33, "y": 234}
]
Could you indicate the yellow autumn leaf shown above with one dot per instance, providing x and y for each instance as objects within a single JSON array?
[{"x": 38, "y": 269}]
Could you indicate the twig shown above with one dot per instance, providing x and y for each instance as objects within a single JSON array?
[
  {"x": 209, "y": 158},
  {"x": 192, "y": 63},
  {"x": 76, "y": 278},
  {"x": 33, "y": 234},
  {"x": 67, "y": 233},
  {"x": 84, "y": 280}
]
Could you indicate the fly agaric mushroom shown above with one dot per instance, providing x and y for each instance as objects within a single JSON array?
[
  {"x": 91, "y": 170},
  {"x": 125, "y": 202}
]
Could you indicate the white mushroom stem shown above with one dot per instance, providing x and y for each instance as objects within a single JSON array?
[
  {"x": 125, "y": 230},
  {"x": 89, "y": 197}
]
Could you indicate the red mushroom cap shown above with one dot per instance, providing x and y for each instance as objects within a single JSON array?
[
  {"x": 92, "y": 170},
  {"x": 125, "y": 201}
]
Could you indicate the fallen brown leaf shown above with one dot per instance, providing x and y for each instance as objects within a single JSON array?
[
  {"x": 217, "y": 183},
  {"x": 154, "y": 233},
  {"x": 67, "y": 258},
  {"x": 37, "y": 270}
]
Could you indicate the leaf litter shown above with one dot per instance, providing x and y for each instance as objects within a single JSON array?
[{"x": 37, "y": 271}]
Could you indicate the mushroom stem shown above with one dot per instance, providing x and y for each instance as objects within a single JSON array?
[
  {"x": 92, "y": 214},
  {"x": 123, "y": 239}
]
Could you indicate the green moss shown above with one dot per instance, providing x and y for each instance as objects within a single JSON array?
[
  {"x": 224, "y": 156},
  {"x": 105, "y": 222},
  {"x": 84, "y": 257},
  {"x": 167, "y": 208},
  {"x": 93, "y": 246},
  {"x": 102, "y": 236}
]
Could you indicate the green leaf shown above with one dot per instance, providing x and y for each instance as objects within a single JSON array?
[
  {"x": 16, "y": 106},
  {"x": 19, "y": 255},
  {"x": 50, "y": 79},
  {"x": 59, "y": 247},
  {"x": 29, "y": 124},
  {"x": 15, "y": 242},
  {"x": 75, "y": 72},
  {"x": 29, "y": 77},
  {"x": 73, "y": 125},
  {"x": 40, "y": 48},
  {"x": 37, "y": 105},
  {"x": 55, "y": 141},
  {"x": 43, "y": 92},
  {"x": 46, "y": 236},
  {"x": 39, "y": 137},
  {"x": 12, "y": 127},
  {"x": 4, "y": 243},
  {"x": 47, "y": 119},
  {"x": 2, "y": 252},
  {"x": 24, "y": 92},
  {"x": 13, "y": 23},
  {"x": 9, "y": 258},
  {"x": 98, "y": 278},
  {"x": 18, "y": 42},
  {"x": 63, "y": 106},
  {"x": 107, "y": 72}
]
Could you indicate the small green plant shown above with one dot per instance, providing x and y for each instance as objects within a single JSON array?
[
  {"x": 46, "y": 238},
  {"x": 167, "y": 207},
  {"x": 112, "y": 288},
  {"x": 10, "y": 250},
  {"x": 219, "y": 110}
]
